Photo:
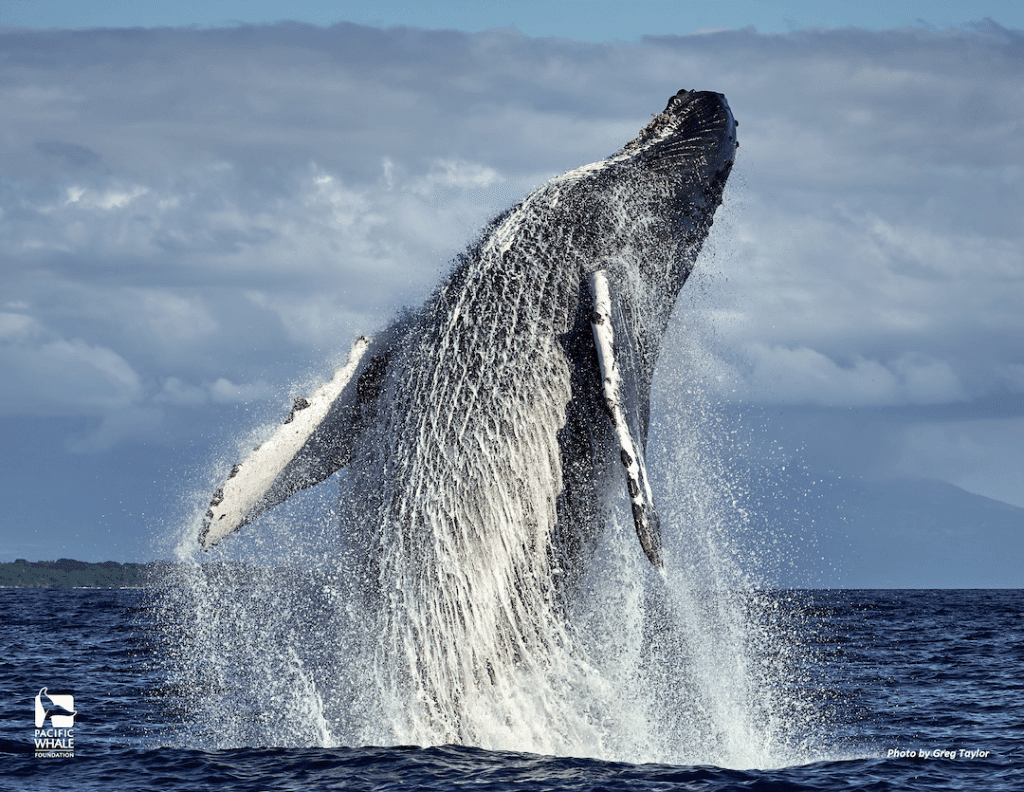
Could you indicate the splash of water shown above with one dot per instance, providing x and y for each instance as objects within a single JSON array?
[{"x": 687, "y": 668}]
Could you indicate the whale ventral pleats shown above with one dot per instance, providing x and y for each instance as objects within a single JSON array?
[{"x": 489, "y": 438}]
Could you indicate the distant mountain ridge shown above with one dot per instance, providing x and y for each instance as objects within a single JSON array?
[
  {"x": 858, "y": 533},
  {"x": 833, "y": 533}
]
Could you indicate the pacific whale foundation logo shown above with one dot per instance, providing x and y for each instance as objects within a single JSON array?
[{"x": 56, "y": 739}]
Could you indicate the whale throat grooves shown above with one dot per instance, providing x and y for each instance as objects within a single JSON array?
[{"x": 490, "y": 439}]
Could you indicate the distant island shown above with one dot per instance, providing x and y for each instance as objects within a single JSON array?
[{"x": 66, "y": 573}]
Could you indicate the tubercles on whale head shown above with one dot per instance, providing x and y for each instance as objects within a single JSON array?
[{"x": 691, "y": 115}]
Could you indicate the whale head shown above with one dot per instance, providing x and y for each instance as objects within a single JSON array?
[
  {"x": 644, "y": 212},
  {"x": 678, "y": 164}
]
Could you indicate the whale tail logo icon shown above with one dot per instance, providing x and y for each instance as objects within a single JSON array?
[{"x": 58, "y": 707}]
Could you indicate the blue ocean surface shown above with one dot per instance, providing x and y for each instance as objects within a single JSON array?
[{"x": 922, "y": 691}]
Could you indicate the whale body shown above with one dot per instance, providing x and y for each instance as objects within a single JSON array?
[{"x": 483, "y": 432}]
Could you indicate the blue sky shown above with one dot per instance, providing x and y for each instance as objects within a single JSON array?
[
  {"x": 589, "y": 20},
  {"x": 195, "y": 222}
]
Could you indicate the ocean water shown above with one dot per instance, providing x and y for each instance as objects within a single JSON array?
[{"x": 907, "y": 690}]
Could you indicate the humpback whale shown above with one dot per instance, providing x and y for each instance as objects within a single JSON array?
[
  {"x": 483, "y": 432},
  {"x": 549, "y": 327}
]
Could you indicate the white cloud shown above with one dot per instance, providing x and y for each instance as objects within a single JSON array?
[
  {"x": 64, "y": 377},
  {"x": 923, "y": 380},
  {"x": 129, "y": 425},
  {"x": 177, "y": 392},
  {"x": 1012, "y": 375},
  {"x": 169, "y": 319},
  {"x": 236, "y": 203},
  {"x": 194, "y": 221},
  {"x": 105, "y": 200},
  {"x": 458, "y": 174},
  {"x": 851, "y": 284},
  {"x": 224, "y": 391},
  {"x": 805, "y": 376},
  {"x": 16, "y": 327}
]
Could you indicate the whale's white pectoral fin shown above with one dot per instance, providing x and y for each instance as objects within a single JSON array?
[
  {"x": 631, "y": 444},
  {"x": 300, "y": 454}
]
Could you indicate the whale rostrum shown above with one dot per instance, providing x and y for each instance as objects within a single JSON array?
[{"x": 503, "y": 411}]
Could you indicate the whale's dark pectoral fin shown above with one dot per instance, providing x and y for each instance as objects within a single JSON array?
[
  {"x": 629, "y": 428},
  {"x": 307, "y": 448}
]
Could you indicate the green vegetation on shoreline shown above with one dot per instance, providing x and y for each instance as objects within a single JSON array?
[{"x": 65, "y": 573}]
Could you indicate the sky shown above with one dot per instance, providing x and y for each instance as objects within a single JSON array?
[
  {"x": 579, "y": 20},
  {"x": 198, "y": 213}
]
